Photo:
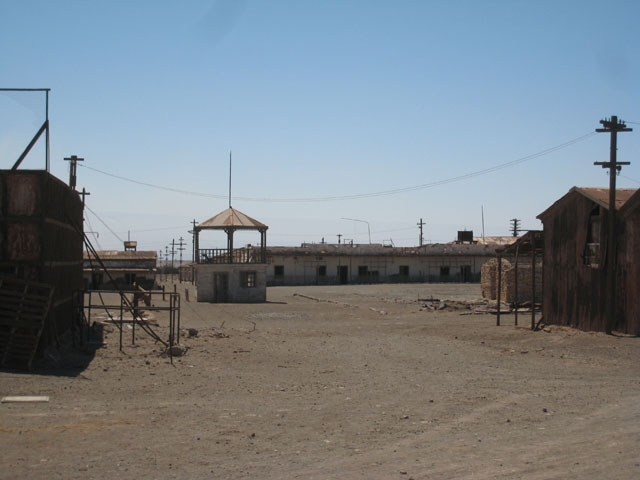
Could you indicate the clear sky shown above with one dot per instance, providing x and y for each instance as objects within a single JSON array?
[{"x": 321, "y": 99}]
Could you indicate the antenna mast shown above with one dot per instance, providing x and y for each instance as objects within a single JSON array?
[{"x": 229, "y": 178}]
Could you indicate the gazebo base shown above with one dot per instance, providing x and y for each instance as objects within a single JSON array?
[{"x": 231, "y": 283}]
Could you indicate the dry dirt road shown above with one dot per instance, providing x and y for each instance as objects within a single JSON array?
[{"x": 360, "y": 383}]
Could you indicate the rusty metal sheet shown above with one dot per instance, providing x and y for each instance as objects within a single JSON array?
[
  {"x": 23, "y": 240},
  {"x": 24, "y": 194}
]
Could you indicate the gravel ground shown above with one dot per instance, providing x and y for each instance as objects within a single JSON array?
[{"x": 348, "y": 382}]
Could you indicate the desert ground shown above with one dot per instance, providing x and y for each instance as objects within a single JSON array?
[{"x": 342, "y": 382}]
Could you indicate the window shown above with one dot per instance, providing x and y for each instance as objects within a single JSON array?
[
  {"x": 404, "y": 270},
  {"x": 278, "y": 270},
  {"x": 363, "y": 271},
  {"x": 444, "y": 271},
  {"x": 247, "y": 279},
  {"x": 322, "y": 270},
  {"x": 592, "y": 248}
]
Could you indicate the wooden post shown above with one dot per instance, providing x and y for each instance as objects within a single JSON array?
[
  {"x": 533, "y": 288},
  {"x": 499, "y": 289},
  {"x": 121, "y": 322},
  {"x": 517, "y": 301}
]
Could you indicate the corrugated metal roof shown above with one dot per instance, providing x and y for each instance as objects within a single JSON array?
[
  {"x": 596, "y": 195},
  {"x": 232, "y": 218},
  {"x": 123, "y": 255},
  {"x": 436, "y": 249},
  {"x": 630, "y": 205},
  {"x": 601, "y": 195}
]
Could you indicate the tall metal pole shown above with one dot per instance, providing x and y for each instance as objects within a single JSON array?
[
  {"x": 47, "y": 132},
  {"x": 421, "y": 237},
  {"x": 363, "y": 221},
  {"x": 612, "y": 126}
]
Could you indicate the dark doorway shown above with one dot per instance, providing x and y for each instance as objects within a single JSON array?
[
  {"x": 220, "y": 287},
  {"x": 343, "y": 274},
  {"x": 465, "y": 273}
]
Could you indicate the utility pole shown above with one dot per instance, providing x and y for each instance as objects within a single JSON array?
[
  {"x": 180, "y": 249},
  {"x": 339, "y": 237},
  {"x": 193, "y": 240},
  {"x": 73, "y": 165},
  {"x": 612, "y": 126},
  {"x": 83, "y": 194},
  {"x": 166, "y": 261},
  {"x": 515, "y": 227},
  {"x": 173, "y": 254},
  {"x": 421, "y": 237}
]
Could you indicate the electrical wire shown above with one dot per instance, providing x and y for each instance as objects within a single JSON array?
[
  {"x": 361, "y": 195},
  {"x": 103, "y": 222},
  {"x": 629, "y": 178}
]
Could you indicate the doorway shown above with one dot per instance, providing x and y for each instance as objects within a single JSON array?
[
  {"x": 220, "y": 287},
  {"x": 465, "y": 273},
  {"x": 343, "y": 274}
]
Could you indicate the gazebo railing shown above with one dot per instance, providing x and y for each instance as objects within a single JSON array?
[{"x": 223, "y": 256}]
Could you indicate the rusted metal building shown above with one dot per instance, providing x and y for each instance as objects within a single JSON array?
[
  {"x": 41, "y": 241},
  {"x": 575, "y": 246}
]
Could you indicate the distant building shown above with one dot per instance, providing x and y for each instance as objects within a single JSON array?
[
  {"x": 575, "y": 260},
  {"x": 126, "y": 267},
  {"x": 329, "y": 264}
]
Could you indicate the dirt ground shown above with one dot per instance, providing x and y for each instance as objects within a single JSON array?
[{"x": 350, "y": 382}]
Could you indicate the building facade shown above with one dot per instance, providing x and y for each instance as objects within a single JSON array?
[
  {"x": 575, "y": 260},
  {"x": 125, "y": 267},
  {"x": 333, "y": 264}
]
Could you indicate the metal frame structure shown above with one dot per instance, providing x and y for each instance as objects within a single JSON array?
[
  {"x": 43, "y": 129},
  {"x": 531, "y": 243},
  {"x": 131, "y": 307}
]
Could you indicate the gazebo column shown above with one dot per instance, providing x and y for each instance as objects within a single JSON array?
[
  {"x": 196, "y": 243},
  {"x": 263, "y": 246},
  {"x": 230, "y": 244}
]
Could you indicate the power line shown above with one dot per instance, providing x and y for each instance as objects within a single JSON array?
[
  {"x": 361, "y": 195},
  {"x": 103, "y": 222},
  {"x": 629, "y": 178}
]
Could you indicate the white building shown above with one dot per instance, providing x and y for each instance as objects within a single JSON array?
[{"x": 326, "y": 264}]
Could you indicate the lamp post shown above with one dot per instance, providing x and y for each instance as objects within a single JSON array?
[{"x": 363, "y": 221}]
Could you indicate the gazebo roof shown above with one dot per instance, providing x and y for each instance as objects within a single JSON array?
[{"x": 232, "y": 219}]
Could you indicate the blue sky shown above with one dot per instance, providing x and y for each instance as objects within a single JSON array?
[{"x": 320, "y": 99}]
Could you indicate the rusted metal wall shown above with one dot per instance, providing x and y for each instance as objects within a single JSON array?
[
  {"x": 39, "y": 240},
  {"x": 575, "y": 293}
]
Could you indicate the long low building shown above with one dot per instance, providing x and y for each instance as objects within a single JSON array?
[
  {"x": 327, "y": 264},
  {"x": 125, "y": 267}
]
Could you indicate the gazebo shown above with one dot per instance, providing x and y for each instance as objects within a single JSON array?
[{"x": 228, "y": 275}]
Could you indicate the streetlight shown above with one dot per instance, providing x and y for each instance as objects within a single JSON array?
[{"x": 363, "y": 221}]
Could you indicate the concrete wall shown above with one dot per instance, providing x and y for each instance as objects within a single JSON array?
[
  {"x": 236, "y": 292},
  {"x": 304, "y": 269}
]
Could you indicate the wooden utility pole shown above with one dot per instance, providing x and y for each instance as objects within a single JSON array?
[
  {"x": 612, "y": 126},
  {"x": 73, "y": 165},
  {"x": 173, "y": 254},
  {"x": 420, "y": 224},
  {"x": 515, "y": 227},
  {"x": 193, "y": 240}
]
